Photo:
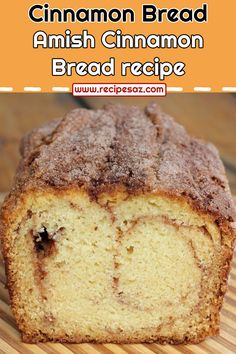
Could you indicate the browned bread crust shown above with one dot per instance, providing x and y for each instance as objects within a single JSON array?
[{"x": 125, "y": 146}]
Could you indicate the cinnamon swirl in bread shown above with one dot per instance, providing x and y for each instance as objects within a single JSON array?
[{"x": 119, "y": 228}]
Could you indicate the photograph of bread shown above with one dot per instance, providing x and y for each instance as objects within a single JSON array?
[{"x": 119, "y": 228}]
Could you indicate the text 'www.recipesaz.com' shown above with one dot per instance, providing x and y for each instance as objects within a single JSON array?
[{"x": 119, "y": 89}]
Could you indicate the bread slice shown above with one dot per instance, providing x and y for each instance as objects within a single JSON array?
[{"x": 119, "y": 228}]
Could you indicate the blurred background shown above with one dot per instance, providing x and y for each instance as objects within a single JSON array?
[{"x": 210, "y": 116}]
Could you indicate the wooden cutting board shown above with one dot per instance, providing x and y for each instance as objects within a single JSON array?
[{"x": 10, "y": 341}]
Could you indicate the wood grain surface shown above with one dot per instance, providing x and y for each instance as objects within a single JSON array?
[
  {"x": 210, "y": 116},
  {"x": 225, "y": 343}
]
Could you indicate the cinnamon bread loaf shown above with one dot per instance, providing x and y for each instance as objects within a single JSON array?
[{"x": 119, "y": 228}]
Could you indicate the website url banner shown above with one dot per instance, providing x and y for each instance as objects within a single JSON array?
[{"x": 119, "y": 89}]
